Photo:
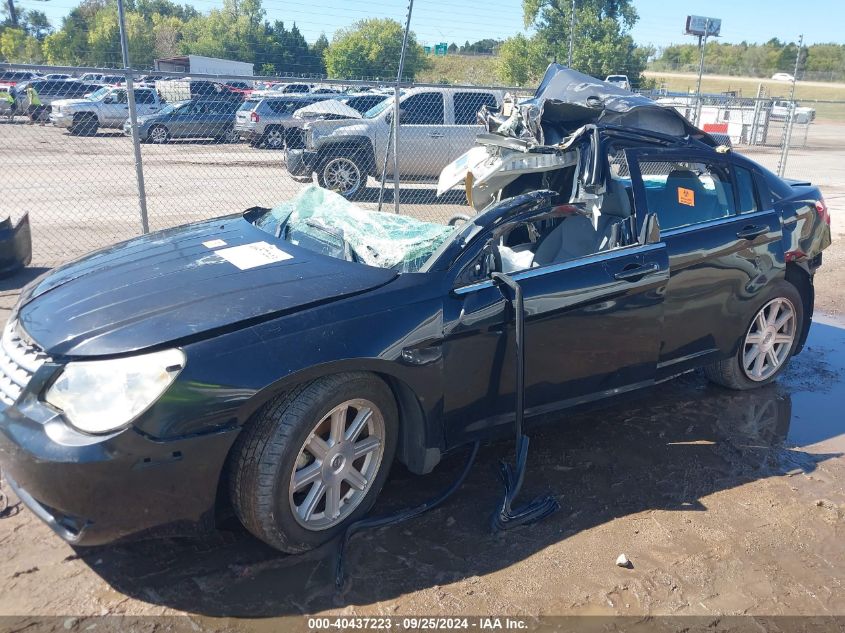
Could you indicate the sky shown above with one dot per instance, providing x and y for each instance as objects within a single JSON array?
[{"x": 661, "y": 21}]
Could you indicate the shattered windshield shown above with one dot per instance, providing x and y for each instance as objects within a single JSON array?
[{"x": 325, "y": 222}]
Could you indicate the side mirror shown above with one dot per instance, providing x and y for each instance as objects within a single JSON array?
[{"x": 108, "y": 99}]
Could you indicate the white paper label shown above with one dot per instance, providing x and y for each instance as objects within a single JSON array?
[
  {"x": 214, "y": 243},
  {"x": 253, "y": 255}
]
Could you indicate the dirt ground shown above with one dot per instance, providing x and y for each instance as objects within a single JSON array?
[{"x": 726, "y": 503}]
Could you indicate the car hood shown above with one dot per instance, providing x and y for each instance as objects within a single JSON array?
[
  {"x": 175, "y": 284},
  {"x": 327, "y": 107},
  {"x": 71, "y": 102}
]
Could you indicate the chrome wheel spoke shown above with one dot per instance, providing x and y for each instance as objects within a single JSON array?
[
  {"x": 783, "y": 319},
  {"x": 782, "y": 339},
  {"x": 367, "y": 445},
  {"x": 751, "y": 356},
  {"x": 338, "y": 430},
  {"x": 355, "y": 479},
  {"x": 317, "y": 446},
  {"x": 333, "y": 501},
  {"x": 757, "y": 368},
  {"x": 306, "y": 510},
  {"x": 772, "y": 358},
  {"x": 358, "y": 424},
  {"x": 307, "y": 475},
  {"x": 754, "y": 338}
]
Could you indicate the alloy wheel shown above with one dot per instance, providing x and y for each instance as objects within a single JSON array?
[
  {"x": 158, "y": 134},
  {"x": 275, "y": 139},
  {"x": 337, "y": 465},
  {"x": 342, "y": 175},
  {"x": 769, "y": 339}
]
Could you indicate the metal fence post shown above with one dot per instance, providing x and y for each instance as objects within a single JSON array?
[
  {"x": 133, "y": 121},
  {"x": 787, "y": 134}
]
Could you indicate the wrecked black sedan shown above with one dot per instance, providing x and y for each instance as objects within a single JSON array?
[{"x": 282, "y": 359}]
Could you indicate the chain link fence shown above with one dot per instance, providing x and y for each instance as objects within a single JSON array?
[{"x": 211, "y": 146}]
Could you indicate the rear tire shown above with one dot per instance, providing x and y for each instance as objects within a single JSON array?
[
  {"x": 766, "y": 347},
  {"x": 274, "y": 138},
  {"x": 280, "y": 446}
]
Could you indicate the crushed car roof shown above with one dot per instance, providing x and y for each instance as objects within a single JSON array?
[{"x": 567, "y": 99}]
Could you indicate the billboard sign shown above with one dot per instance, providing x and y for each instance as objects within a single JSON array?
[
  {"x": 699, "y": 25},
  {"x": 440, "y": 49}
]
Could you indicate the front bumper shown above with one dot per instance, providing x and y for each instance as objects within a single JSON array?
[
  {"x": 61, "y": 120},
  {"x": 93, "y": 490},
  {"x": 301, "y": 163}
]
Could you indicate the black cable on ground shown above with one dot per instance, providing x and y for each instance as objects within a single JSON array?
[{"x": 398, "y": 517}]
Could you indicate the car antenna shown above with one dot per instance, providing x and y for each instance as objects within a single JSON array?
[{"x": 506, "y": 516}]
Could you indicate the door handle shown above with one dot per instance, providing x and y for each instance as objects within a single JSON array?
[
  {"x": 751, "y": 231},
  {"x": 636, "y": 272},
  {"x": 435, "y": 135}
]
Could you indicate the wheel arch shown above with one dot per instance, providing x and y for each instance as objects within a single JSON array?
[
  {"x": 348, "y": 147},
  {"x": 802, "y": 279}
]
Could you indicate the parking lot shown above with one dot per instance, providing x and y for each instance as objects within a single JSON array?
[{"x": 725, "y": 502}]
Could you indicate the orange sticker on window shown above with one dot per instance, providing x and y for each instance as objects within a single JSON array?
[{"x": 686, "y": 196}]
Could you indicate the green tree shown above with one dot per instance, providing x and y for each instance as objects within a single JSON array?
[
  {"x": 370, "y": 48},
  {"x": 602, "y": 41},
  {"x": 12, "y": 43},
  {"x": 521, "y": 61}
]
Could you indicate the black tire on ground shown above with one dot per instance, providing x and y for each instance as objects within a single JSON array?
[
  {"x": 355, "y": 165},
  {"x": 263, "y": 458},
  {"x": 84, "y": 125},
  {"x": 729, "y": 372},
  {"x": 228, "y": 136}
]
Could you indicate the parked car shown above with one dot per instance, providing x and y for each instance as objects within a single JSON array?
[
  {"x": 347, "y": 108},
  {"x": 620, "y": 81},
  {"x": 802, "y": 114},
  {"x": 49, "y": 91},
  {"x": 437, "y": 125},
  {"x": 58, "y": 76},
  {"x": 12, "y": 77},
  {"x": 91, "y": 77},
  {"x": 292, "y": 88},
  {"x": 282, "y": 359},
  {"x": 783, "y": 77},
  {"x": 260, "y": 119},
  {"x": 185, "y": 89},
  {"x": 107, "y": 107},
  {"x": 198, "y": 118}
]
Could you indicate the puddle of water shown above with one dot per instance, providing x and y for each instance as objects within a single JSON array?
[{"x": 816, "y": 384}]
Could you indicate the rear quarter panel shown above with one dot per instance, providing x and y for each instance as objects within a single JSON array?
[{"x": 805, "y": 233}]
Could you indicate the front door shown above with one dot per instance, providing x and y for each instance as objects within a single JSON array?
[
  {"x": 592, "y": 329},
  {"x": 115, "y": 108},
  {"x": 720, "y": 259}
]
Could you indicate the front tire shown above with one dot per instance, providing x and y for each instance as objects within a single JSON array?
[
  {"x": 770, "y": 340},
  {"x": 313, "y": 461},
  {"x": 84, "y": 125},
  {"x": 274, "y": 138},
  {"x": 342, "y": 175}
]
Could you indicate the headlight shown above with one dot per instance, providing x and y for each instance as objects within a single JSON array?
[{"x": 99, "y": 396}]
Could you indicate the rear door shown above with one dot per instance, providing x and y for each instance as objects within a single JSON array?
[
  {"x": 466, "y": 127},
  {"x": 723, "y": 250},
  {"x": 423, "y": 135}
]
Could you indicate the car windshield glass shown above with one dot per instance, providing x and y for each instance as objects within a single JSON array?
[
  {"x": 98, "y": 94},
  {"x": 325, "y": 222},
  {"x": 378, "y": 109}
]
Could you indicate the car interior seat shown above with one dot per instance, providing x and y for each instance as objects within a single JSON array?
[
  {"x": 673, "y": 213},
  {"x": 611, "y": 226},
  {"x": 574, "y": 237}
]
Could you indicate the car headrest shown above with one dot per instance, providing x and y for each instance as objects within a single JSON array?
[{"x": 681, "y": 176}]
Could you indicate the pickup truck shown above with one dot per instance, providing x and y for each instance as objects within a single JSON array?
[
  {"x": 436, "y": 126},
  {"x": 803, "y": 114},
  {"x": 107, "y": 107}
]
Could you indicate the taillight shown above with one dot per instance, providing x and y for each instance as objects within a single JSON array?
[
  {"x": 254, "y": 117},
  {"x": 822, "y": 210}
]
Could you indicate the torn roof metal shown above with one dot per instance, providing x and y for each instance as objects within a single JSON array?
[{"x": 567, "y": 99}]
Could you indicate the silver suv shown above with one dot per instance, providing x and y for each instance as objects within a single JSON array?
[{"x": 260, "y": 120}]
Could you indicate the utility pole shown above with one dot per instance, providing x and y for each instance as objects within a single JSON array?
[
  {"x": 787, "y": 135},
  {"x": 133, "y": 119},
  {"x": 702, "y": 45},
  {"x": 571, "y": 31}
]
